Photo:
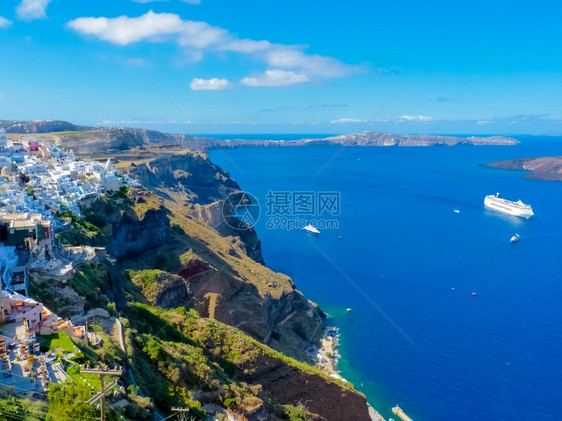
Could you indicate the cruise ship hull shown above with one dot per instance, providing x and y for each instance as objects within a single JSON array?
[{"x": 506, "y": 206}]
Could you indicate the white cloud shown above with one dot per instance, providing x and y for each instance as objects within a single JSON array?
[
  {"x": 124, "y": 30},
  {"x": 201, "y": 35},
  {"x": 287, "y": 57},
  {"x": 519, "y": 119},
  {"x": 213, "y": 84},
  {"x": 291, "y": 64},
  {"x": 4, "y": 23},
  {"x": 275, "y": 78},
  {"x": 248, "y": 46},
  {"x": 32, "y": 9},
  {"x": 416, "y": 118},
  {"x": 346, "y": 120}
]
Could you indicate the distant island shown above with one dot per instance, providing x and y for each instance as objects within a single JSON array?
[
  {"x": 545, "y": 168},
  {"x": 86, "y": 139},
  {"x": 380, "y": 139}
]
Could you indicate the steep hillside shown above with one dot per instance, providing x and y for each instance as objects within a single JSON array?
[
  {"x": 184, "y": 284},
  {"x": 222, "y": 366},
  {"x": 221, "y": 280},
  {"x": 207, "y": 324}
]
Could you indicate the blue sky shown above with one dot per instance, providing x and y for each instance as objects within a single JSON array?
[{"x": 285, "y": 67}]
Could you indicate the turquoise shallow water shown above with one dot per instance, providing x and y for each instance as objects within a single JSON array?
[{"x": 493, "y": 356}]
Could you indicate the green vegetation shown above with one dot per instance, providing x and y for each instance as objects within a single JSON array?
[
  {"x": 59, "y": 343},
  {"x": 296, "y": 413},
  {"x": 122, "y": 193},
  {"x": 67, "y": 403},
  {"x": 145, "y": 277},
  {"x": 144, "y": 204},
  {"x": 183, "y": 352},
  {"x": 109, "y": 353},
  {"x": 82, "y": 232},
  {"x": 177, "y": 229},
  {"x": 66, "y": 297},
  {"x": 150, "y": 282},
  {"x": 80, "y": 379},
  {"x": 13, "y": 409},
  {"x": 86, "y": 226},
  {"x": 141, "y": 407},
  {"x": 174, "y": 354},
  {"x": 89, "y": 281},
  {"x": 74, "y": 133}
]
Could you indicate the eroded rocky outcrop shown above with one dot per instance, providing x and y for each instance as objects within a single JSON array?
[
  {"x": 189, "y": 178},
  {"x": 275, "y": 314},
  {"x": 133, "y": 236},
  {"x": 192, "y": 185},
  {"x": 328, "y": 400},
  {"x": 162, "y": 289},
  {"x": 545, "y": 168}
]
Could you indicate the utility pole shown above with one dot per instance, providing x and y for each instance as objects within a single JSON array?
[
  {"x": 182, "y": 412},
  {"x": 102, "y": 372}
]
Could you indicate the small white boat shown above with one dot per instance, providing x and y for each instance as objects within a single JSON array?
[
  {"x": 312, "y": 230},
  {"x": 514, "y": 238},
  {"x": 456, "y": 211}
]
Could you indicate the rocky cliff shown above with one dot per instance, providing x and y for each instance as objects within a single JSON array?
[
  {"x": 219, "y": 279},
  {"x": 187, "y": 178},
  {"x": 545, "y": 168},
  {"x": 250, "y": 379},
  {"x": 177, "y": 256}
]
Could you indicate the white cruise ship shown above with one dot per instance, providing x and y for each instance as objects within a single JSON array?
[{"x": 507, "y": 206}]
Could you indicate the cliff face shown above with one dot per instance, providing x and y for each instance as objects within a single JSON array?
[
  {"x": 212, "y": 215},
  {"x": 131, "y": 226},
  {"x": 87, "y": 141},
  {"x": 161, "y": 288},
  {"x": 546, "y": 168},
  {"x": 181, "y": 256},
  {"x": 241, "y": 373},
  {"x": 229, "y": 286},
  {"x": 188, "y": 178},
  {"x": 329, "y": 400},
  {"x": 133, "y": 236},
  {"x": 192, "y": 185},
  {"x": 276, "y": 314},
  {"x": 202, "y": 269}
]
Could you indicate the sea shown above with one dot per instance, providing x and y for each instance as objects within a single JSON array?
[{"x": 437, "y": 311}]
